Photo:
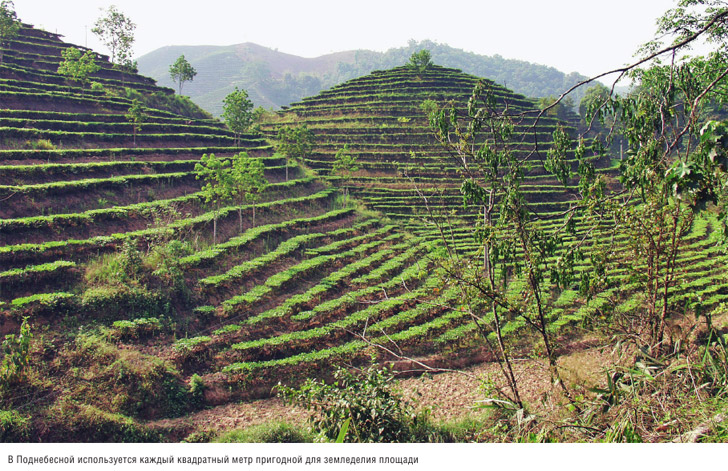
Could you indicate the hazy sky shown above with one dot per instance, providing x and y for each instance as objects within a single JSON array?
[{"x": 586, "y": 36}]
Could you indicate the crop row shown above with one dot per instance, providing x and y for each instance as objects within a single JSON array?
[{"x": 285, "y": 248}]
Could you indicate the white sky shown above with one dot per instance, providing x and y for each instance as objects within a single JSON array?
[{"x": 586, "y": 36}]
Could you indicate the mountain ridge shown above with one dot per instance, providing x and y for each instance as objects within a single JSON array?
[{"x": 274, "y": 79}]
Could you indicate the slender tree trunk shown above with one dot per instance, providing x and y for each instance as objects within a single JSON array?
[
  {"x": 214, "y": 225},
  {"x": 240, "y": 218},
  {"x": 286, "y": 169},
  {"x": 254, "y": 215}
]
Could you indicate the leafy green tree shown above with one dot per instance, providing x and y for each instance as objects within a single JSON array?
[
  {"x": 345, "y": 164},
  {"x": 420, "y": 61},
  {"x": 249, "y": 180},
  {"x": 511, "y": 238},
  {"x": 116, "y": 31},
  {"x": 78, "y": 67},
  {"x": 237, "y": 112},
  {"x": 219, "y": 185},
  {"x": 182, "y": 71},
  {"x": 136, "y": 116},
  {"x": 295, "y": 142},
  {"x": 9, "y": 24}
]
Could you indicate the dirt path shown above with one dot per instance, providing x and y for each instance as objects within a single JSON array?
[{"x": 450, "y": 395}]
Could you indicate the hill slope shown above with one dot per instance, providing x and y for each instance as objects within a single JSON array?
[{"x": 274, "y": 79}]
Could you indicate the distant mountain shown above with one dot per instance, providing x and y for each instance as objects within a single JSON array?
[{"x": 274, "y": 79}]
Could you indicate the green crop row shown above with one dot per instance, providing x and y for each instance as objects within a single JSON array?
[
  {"x": 88, "y": 217},
  {"x": 34, "y": 250},
  {"x": 18, "y": 274},
  {"x": 373, "y": 311},
  {"x": 339, "y": 245},
  {"x": 42, "y": 299},
  {"x": 314, "y": 295},
  {"x": 279, "y": 279}
]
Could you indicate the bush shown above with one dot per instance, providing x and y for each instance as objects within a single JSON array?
[
  {"x": 274, "y": 432},
  {"x": 13, "y": 427},
  {"x": 136, "y": 329},
  {"x": 375, "y": 411},
  {"x": 40, "y": 144}
]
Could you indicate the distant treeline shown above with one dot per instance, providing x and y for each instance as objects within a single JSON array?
[{"x": 220, "y": 69}]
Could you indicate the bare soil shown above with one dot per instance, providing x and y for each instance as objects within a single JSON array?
[{"x": 451, "y": 396}]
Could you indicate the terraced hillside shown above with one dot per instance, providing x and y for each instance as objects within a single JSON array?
[
  {"x": 380, "y": 119},
  {"x": 412, "y": 179},
  {"x": 106, "y": 249},
  {"x": 106, "y": 245}
]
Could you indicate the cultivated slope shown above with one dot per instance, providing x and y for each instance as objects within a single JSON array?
[{"x": 106, "y": 248}]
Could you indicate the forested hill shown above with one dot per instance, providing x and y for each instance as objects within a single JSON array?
[{"x": 274, "y": 79}]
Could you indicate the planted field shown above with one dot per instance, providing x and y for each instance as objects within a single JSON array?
[{"x": 115, "y": 252}]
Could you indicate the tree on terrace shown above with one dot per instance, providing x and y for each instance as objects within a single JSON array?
[
  {"x": 9, "y": 24},
  {"x": 182, "y": 71},
  {"x": 344, "y": 165},
  {"x": 78, "y": 67},
  {"x": 219, "y": 185},
  {"x": 136, "y": 116},
  {"x": 420, "y": 61},
  {"x": 249, "y": 181},
  {"x": 116, "y": 31},
  {"x": 237, "y": 112},
  {"x": 295, "y": 142}
]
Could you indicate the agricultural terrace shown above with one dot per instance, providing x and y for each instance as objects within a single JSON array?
[
  {"x": 106, "y": 243},
  {"x": 106, "y": 248}
]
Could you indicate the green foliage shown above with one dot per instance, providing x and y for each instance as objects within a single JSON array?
[
  {"x": 237, "y": 112},
  {"x": 248, "y": 180},
  {"x": 9, "y": 24},
  {"x": 593, "y": 97},
  {"x": 219, "y": 185},
  {"x": 136, "y": 116},
  {"x": 124, "y": 381},
  {"x": 561, "y": 110},
  {"x": 136, "y": 329},
  {"x": 116, "y": 31},
  {"x": 182, "y": 71},
  {"x": 295, "y": 142},
  {"x": 78, "y": 67},
  {"x": 197, "y": 388},
  {"x": 16, "y": 356},
  {"x": 187, "y": 344},
  {"x": 420, "y": 61},
  {"x": 271, "y": 432},
  {"x": 344, "y": 163},
  {"x": 39, "y": 144},
  {"x": 374, "y": 410},
  {"x": 13, "y": 427}
]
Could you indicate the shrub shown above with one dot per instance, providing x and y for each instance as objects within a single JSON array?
[
  {"x": 40, "y": 144},
  {"x": 16, "y": 356},
  {"x": 137, "y": 329},
  {"x": 13, "y": 427},
  {"x": 367, "y": 401}
]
